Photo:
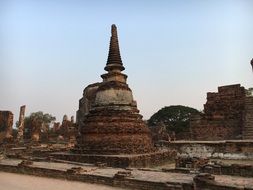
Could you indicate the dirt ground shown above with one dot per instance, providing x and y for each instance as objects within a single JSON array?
[{"x": 13, "y": 181}]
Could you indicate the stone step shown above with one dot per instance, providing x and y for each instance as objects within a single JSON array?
[
  {"x": 248, "y": 102},
  {"x": 247, "y": 129},
  {"x": 247, "y": 132},
  {"x": 248, "y": 136}
]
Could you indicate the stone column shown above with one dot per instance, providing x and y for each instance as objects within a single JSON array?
[
  {"x": 35, "y": 130},
  {"x": 72, "y": 119},
  {"x": 21, "y": 123}
]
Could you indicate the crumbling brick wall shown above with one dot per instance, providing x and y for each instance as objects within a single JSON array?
[
  {"x": 223, "y": 115},
  {"x": 6, "y": 122},
  {"x": 86, "y": 102},
  {"x": 248, "y": 119}
]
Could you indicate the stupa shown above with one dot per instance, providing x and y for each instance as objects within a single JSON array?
[
  {"x": 113, "y": 124},
  {"x": 111, "y": 130}
]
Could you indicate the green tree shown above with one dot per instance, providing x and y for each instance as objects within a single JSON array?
[
  {"x": 38, "y": 122},
  {"x": 39, "y": 117},
  {"x": 175, "y": 118}
]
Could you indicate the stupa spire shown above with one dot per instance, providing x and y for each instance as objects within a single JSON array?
[{"x": 114, "y": 59}]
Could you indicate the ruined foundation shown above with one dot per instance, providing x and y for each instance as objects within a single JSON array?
[{"x": 121, "y": 161}]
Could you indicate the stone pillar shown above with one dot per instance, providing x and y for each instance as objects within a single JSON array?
[
  {"x": 56, "y": 127},
  {"x": 72, "y": 119},
  {"x": 21, "y": 123},
  {"x": 36, "y": 130},
  {"x": 65, "y": 127},
  {"x": 65, "y": 118}
]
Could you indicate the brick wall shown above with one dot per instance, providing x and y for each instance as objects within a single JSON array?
[
  {"x": 6, "y": 122},
  {"x": 223, "y": 115}
]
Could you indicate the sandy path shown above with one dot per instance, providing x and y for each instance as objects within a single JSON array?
[{"x": 13, "y": 181}]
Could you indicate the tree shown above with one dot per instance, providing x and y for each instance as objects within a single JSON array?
[
  {"x": 45, "y": 119},
  {"x": 175, "y": 118},
  {"x": 39, "y": 123}
]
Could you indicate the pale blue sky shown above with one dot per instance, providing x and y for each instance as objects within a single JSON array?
[{"x": 174, "y": 51}]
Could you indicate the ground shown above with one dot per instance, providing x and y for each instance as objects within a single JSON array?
[{"x": 13, "y": 181}]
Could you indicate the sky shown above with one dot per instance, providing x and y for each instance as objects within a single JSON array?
[{"x": 174, "y": 52}]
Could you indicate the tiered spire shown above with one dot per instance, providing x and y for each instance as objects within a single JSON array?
[{"x": 114, "y": 59}]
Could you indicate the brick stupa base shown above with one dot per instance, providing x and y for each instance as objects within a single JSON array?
[{"x": 121, "y": 160}]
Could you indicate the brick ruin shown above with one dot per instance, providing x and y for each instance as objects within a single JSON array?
[
  {"x": 67, "y": 129},
  {"x": 159, "y": 133},
  {"x": 31, "y": 131},
  {"x": 228, "y": 114},
  {"x": 21, "y": 123},
  {"x": 6, "y": 122},
  {"x": 35, "y": 131},
  {"x": 86, "y": 102},
  {"x": 113, "y": 124}
]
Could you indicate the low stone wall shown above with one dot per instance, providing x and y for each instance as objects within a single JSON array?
[
  {"x": 230, "y": 149},
  {"x": 205, "y": 181},
  {"x": 233, "y": 169},
  {"x": 190, "y": 162},
  {"x": 204, "y": 165},
  {"x": 111, "y": 181},
  {"x": 136, "y": 160},
  {"x": 60, "y": 174},
  {"x": 200, "y": 181}
]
